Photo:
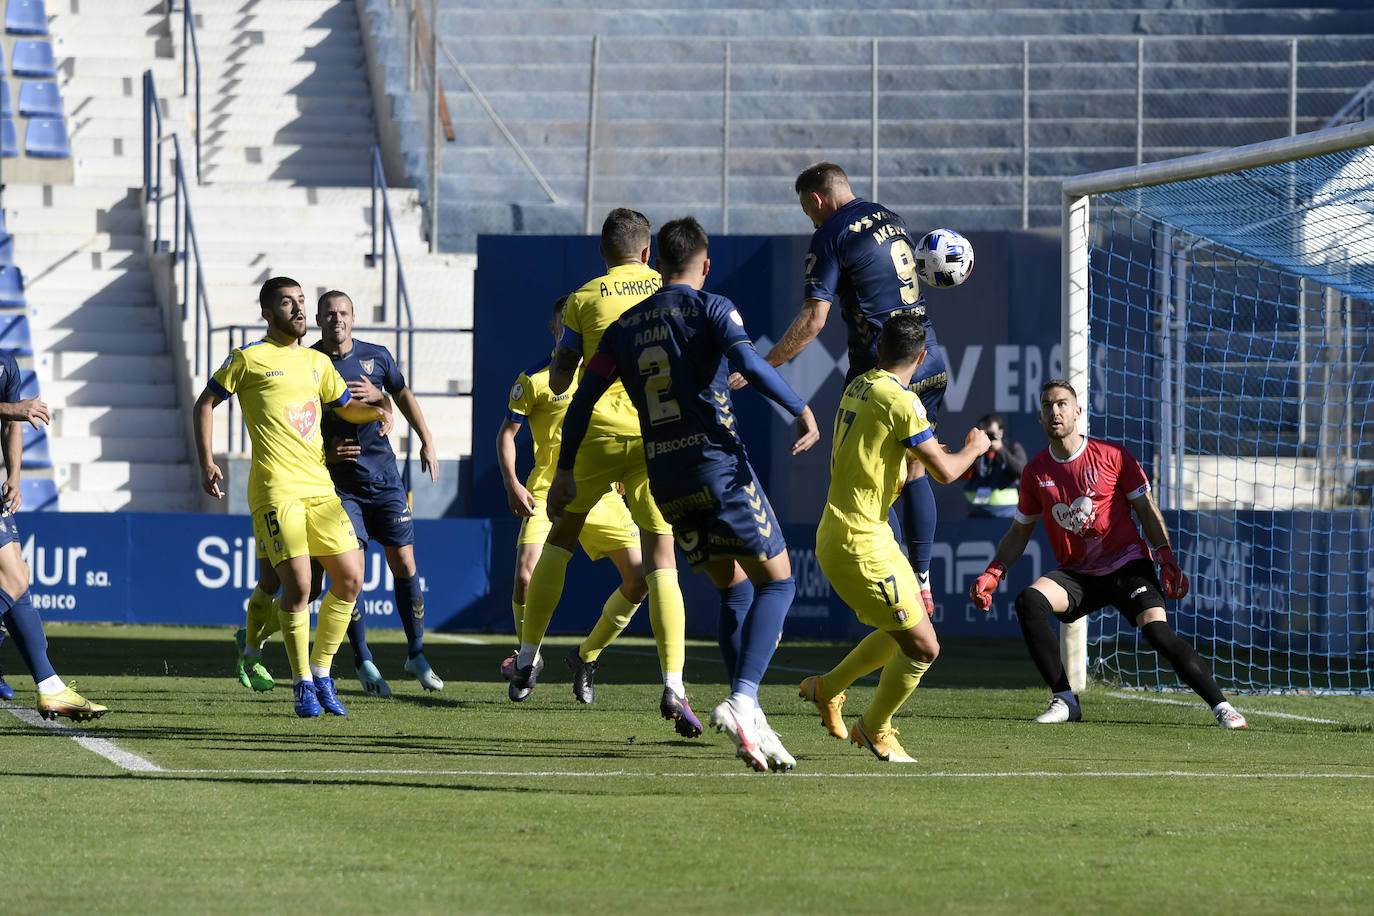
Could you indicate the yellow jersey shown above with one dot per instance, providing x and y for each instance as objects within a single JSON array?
[
  {"x": 588, "y": 313},
  {"x": 879, "y": 418},
  {"x": 284, "y": 392},
  {"x": 532, "y": 399}
]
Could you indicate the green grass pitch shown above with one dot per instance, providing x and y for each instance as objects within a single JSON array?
[{"x": 463, "y": 802}]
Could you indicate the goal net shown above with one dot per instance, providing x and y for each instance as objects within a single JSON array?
[{"x": 1217, "y": 313}]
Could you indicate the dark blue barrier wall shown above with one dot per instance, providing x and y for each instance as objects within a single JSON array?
[{"x": 198, "y": 569}]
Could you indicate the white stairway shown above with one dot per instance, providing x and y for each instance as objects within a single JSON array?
[
  {"x": 118, "y": 437},
  {"x": 287, "y": 136}
]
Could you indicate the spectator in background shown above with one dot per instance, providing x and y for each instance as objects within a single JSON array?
[{"x": 992, "y": 484}]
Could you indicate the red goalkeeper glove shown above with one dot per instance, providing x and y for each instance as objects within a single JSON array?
[
  {"x": 1170, "y": 575},
  {"x": 986, "y": 584}
]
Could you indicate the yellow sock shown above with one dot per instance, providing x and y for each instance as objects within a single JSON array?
[
  {"x": 543, "y": 592},
  {"x": 668, "y": 617},
  {"x": 615, "y": 617},
  {"x": 330, "y": 629},
  {"x": 872, "y": 652},
  {"x": 900, "y": 676},
  {"x": 519, "y": 610},
  {"x": 261, "y": 619},
  {"x": 295, "y": 633}
]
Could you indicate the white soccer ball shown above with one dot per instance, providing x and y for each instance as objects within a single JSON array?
[{"x": 944, "y": 258}]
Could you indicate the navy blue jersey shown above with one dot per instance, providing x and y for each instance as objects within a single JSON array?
[
  {"x": 376, "y": 466},
  {"x": 671, "y": 351},
  {"x": 862, "y": 260},
  {"x": 11, "y": 380}
]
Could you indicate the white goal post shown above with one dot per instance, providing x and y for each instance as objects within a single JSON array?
[{"x": 1171, "y": 373}]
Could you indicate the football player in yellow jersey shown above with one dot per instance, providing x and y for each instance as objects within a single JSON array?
[
  {"x": 880, "y": 421},
  {"x": 283, "y": 389},
  {"x": 609, "y": 530},
  {"x": 613, "y": 451}
]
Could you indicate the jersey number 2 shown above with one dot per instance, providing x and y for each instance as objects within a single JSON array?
[{"x": 653, "y": 366}]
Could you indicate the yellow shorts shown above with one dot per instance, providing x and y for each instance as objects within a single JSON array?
[
  {"x": 876, "y": 581},
  {"x": 316, "y": 526},
  {"x": 608, "y": 528},
  {"x": 604, "y": 460}
]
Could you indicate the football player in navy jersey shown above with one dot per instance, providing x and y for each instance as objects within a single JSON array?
[
  {"x": 861, "y": 259},
  {"x": 671, "y": 351},
  {"x": 363, "y": 467}
]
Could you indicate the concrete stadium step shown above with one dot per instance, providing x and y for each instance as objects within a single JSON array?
[
  {"x": 95, "y": 312},
  {"x": 87, "y": 366},
  {"x": 302, "y": 173},
  {"x": 129, "y": 390},
  {"x": 128, "y": 501},
  {"x": 112, "y": 342},
  {"x": 170, "y": 477},
  {"x": 105, "y": 420},
  {"x": 353, "y": 151},
  {"x": 268, "y": 105},
  {"x": 151, "y": 448}
]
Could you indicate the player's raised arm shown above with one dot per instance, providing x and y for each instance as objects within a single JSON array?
[
  {"x": 945, "y": 466},
  {"x": 749, "y": 364}
]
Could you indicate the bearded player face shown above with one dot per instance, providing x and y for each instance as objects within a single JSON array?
[{"x": 287, "y": 312}]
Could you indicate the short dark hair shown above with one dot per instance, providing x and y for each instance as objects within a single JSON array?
[
  {"x": 988, "y": 419},
  {"x": 1058, "y": 383},
  {"x": 265, "y": 295},
  {"x": 625, "y": 233},
  {"x": 559, "y": 304},
  {"x": 679, "y": 242},
  {"x": 904, "y": 337},
  {"x": 332, "y": 294},
  {"x": 821, "y": 178}
]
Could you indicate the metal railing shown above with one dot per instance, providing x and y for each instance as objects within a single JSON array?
[
  {"x": 182, "y": 244},
  {"x": 190, "y": 63}
]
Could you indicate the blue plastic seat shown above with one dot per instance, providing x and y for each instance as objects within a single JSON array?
[
  {"x": 33, "y": 58},
  {"x": 14, "y": 334},
  {"x": 9, "y": 138},
  {"x": 6, "y": 109},
  {"x": 38, "y": 495},
  {"x": 12, "y": 288},
  {"x": 40, "y": 100},
  {"x": 28, "y": 384},
  {"x": 6, "y": 249},
  {"x": 47, "y": 138},
  {"x": 26, "y": 17},
  {"x": 36, "y": 453}
]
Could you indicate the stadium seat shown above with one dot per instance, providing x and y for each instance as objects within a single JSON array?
[
  {"x": 36, "y": 453},
  {"x": 33, "y": 58},
  {"x": 9, "y": 138},
  {"x": 40, "y": 100},
  {"x": 6, "y": 109},
  {"x": 38, "y": 495},
  {"x": 47, "y": 138},
  {"x": 28, "y": 386},
  {"x": 26, "y": 17},
  {"x": 6, "y": 249},
  {"x": 12, "y": 288},
  {"x": 14, "y": 334}
]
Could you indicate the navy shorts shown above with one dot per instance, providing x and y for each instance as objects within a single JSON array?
[
  {"x": 725, "y": 515},
  {"x": 1132, "y": 589},
  {"x": 381, "y": 514},
  {"x": 9, "y": 530}
]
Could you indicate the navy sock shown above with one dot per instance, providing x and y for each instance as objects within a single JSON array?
[
  {"x": 762, "y": 630},
  {"x": 410, "y": 604},
  {"x": 920, "y": 531},
  {"x": 26, "y": 627},
  {"x": 357, "y": 637},
  {"x": 735, "y": 602}
]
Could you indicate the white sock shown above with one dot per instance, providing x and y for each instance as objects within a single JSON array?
[
  {"x": 50, "y": 685},
  {"x": 529, "y": 653},
  {"x": 317, "y": 671},
  {"x": 299, "y": 680},
  {"x": 674, "y": 680},
  {"x": 743, "y": 703}
]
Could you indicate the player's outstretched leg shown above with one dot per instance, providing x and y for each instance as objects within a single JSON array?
[
  {"x": 249, "y": 669},
  {"x": 826, "y": 691},
  {"x": 1193, "y": 671},
  {"x": 55, "y": 698},
  {"x": 68, "y": 704},
  {"x": 410, "y": 604},
  {"x": 1033, "y": 612}
]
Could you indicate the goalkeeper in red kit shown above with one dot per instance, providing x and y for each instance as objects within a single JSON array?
[{"x": 1086, "y": 490}]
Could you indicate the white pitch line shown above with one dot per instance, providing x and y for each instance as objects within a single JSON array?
[
  {"x": 1248, "y": 712},
  {"x": 885, "y": 774},
  {"x": 464, "y": 640},
  {"x": 106, "y": 748}
]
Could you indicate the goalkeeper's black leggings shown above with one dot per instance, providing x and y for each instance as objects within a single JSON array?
[{"x": 1185, "y": 660}]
